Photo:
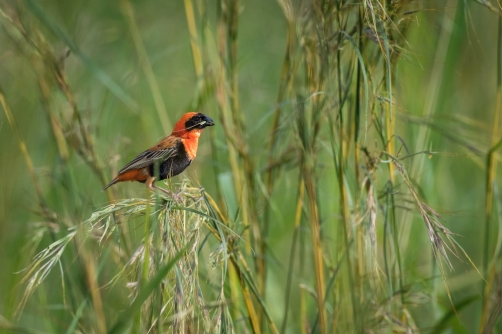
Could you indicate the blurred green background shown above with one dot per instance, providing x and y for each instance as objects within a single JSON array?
[{"x": 444, "y": 101}]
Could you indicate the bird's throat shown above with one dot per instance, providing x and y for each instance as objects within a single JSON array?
[{"x": 191, "y": 145}]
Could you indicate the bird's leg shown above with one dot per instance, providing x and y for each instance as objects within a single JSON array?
[
  {"x": 149, "y": 184},
  {"x": 175, "y": 195},
  {"x": 165, "y": 191}
]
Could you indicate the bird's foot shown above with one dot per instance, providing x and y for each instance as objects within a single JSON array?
[{"x": 175, "y": 196}]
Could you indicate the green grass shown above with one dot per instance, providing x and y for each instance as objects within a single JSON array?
[{"x": 351, "y": 183}]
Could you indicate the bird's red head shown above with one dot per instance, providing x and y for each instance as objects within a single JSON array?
[{"x": 191, "y": 124}]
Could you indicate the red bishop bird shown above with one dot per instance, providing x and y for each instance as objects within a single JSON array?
[{"x": 169, "y": 157}]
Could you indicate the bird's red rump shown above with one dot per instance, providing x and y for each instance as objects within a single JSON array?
[{"x": 133, "y": 175}]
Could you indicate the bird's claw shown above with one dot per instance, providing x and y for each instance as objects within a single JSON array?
[{"x": 175, "y": 196}]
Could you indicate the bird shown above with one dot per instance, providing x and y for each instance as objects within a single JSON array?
[{"x": 169, "y": 157}]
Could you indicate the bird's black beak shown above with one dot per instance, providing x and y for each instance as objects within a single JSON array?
[{"x": 209, "y": 121}]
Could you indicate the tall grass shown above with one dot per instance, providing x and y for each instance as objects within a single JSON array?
[{"x": 315, "y": 215}]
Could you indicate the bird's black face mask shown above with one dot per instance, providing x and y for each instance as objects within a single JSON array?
[{"x": 199, "y": 121}]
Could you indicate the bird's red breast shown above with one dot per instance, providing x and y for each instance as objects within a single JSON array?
[
  {"x": 169, "y": 157},
  {"x": 190, "y": 136}
]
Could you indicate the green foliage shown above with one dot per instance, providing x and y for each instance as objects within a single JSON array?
[{"x": 351, "y": 183}]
